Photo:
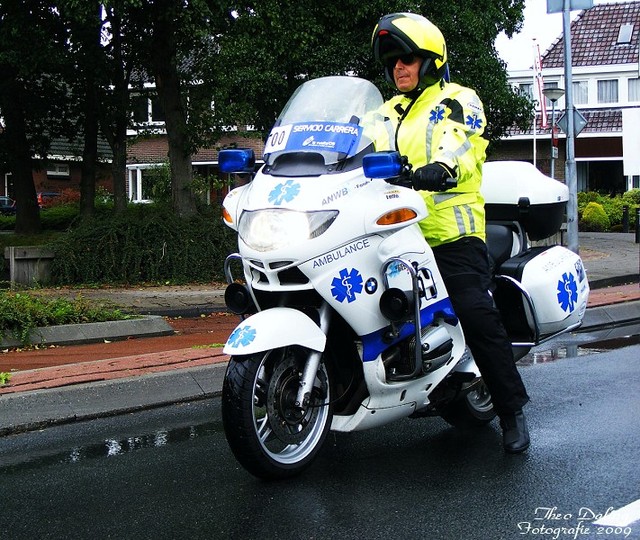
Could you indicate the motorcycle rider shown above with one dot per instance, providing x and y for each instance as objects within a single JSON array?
[{"x": 439, "y": 126}]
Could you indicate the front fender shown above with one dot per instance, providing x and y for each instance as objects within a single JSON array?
[{"x": 273, "y": 328}]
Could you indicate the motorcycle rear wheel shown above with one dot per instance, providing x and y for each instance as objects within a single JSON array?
[
  {"x": 474, "y": 409},
  {"x": 268, "y": 434}
]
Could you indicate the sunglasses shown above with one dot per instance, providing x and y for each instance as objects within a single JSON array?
[{"x": 406, "y": 59}]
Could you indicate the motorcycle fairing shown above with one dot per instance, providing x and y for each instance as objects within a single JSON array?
[{"x": 374, "y": 343}]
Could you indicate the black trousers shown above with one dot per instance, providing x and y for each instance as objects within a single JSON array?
[{"x": 464, "y": 265}]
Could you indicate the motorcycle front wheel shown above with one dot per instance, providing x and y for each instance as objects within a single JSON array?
[{"x": 268, "y": 433}]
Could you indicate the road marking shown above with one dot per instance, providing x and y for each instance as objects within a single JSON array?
[{"x": 621, "y": 517}]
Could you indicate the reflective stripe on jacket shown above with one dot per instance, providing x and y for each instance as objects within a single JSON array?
[{"x": 445, "y": 125}]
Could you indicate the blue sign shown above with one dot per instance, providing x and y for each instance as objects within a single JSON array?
[{"x": 337, "y": 137}]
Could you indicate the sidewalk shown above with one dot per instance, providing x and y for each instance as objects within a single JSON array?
[{"x": 82, "y": 390}]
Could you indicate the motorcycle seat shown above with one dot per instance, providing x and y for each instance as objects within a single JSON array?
[{"x": 500, "y": 243}]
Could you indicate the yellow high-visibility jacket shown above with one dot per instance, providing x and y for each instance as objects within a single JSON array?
[{"x": 444, "y": 124}]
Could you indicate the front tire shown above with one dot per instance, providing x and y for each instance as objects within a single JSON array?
[
  {"x": 268, "y": 434},
  {"x": 472, "y": 410}
]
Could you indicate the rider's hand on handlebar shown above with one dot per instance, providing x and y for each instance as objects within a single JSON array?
[{"x": 434, "y": 177}]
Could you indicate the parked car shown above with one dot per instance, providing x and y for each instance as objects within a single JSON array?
[
  {"x": 7, "y": 206},
  {"x": 45, "y": 198}
]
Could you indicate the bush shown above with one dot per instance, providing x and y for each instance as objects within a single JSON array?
[
  {"x": 149, "y": 243},
  {"x": 594, "y": 218},
  {"x": 612, "y": 207},
  {"x": 20, "y": 313},
  {"x": 67, "y": 196},
  {"x": 59, "y": 217},
  {"x": 632, "y": 197}
]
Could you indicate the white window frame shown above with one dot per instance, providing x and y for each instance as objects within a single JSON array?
[
  {"x": 6, "y": 183},
  {"x": 148, "y": 121},
  {"x": 526, "y": 89},
  {"x": 633, "y": 88},
  {"x": 580, "y": 90},
  {"x": 606, "y": 90},
  {"x": 59, "y": 169}
]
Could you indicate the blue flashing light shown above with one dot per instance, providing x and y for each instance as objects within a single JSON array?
[
  {"x": 382, "y": 165},
  {"x": 236, "y": 160}
]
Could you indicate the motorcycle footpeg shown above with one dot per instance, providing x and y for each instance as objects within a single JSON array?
[{"x": 462, "y": 377}]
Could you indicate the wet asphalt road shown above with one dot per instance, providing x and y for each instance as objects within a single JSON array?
[{"x": 168, "y": 473}]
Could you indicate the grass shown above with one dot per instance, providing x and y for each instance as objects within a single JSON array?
[{"x": 21, "y": 313}]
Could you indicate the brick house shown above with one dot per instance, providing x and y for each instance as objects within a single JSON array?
[
  {"x": 149, "y": 152},
  {"x": 606, "y": 91},
  {"x": 63, "y": 169}
]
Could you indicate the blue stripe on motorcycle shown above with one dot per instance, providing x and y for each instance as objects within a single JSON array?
[{"x": 373, "y": 344}]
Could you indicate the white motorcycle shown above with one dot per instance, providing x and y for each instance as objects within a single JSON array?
[{"x": 347, "y": 324}]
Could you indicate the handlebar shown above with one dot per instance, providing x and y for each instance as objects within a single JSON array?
[{"x": 405, "y": 178}]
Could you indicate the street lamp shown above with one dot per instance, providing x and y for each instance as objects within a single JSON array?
[{"x": 553, "y": 95}]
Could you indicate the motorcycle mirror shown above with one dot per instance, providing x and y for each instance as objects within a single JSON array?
[
  {"x": 236, "y": 160},
  {"x": 382, "y": 164}
]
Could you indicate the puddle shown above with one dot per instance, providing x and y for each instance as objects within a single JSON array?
[
  {"x": 584, "y": 344},
  {"x": 112, "y": 447}
]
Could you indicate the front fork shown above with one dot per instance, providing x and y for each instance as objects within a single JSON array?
[{"x": 313, "y": 363}]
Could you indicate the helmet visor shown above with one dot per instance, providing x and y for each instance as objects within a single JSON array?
[{"x": 391, "y": 60}]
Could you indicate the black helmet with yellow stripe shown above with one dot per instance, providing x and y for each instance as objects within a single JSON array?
[{"x": 400, "y": 34}]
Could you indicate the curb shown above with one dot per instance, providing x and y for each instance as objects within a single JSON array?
[
  {"x": 28, "y": 411},
  {"x": 613, "y": 281},
  {"x": 74, "y": 334},
  {"x": 611, "y": 315}
]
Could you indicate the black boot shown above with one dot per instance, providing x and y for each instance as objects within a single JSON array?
[{"x": 515, "y": 435}]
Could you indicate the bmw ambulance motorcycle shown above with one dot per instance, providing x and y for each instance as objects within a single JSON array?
[{"x": 346, "y": 321}]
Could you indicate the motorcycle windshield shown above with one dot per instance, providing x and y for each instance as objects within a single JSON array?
[{"x": 327, "y": 121}]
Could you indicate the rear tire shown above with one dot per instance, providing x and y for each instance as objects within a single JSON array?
[
  {"x": 267, "y": 433},
  {"x": 473, "y": 410}
]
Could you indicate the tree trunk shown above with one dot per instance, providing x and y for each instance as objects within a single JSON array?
[
  {"x": 90, "y": 38},
  {"x": 114, "y": 119},
  {"x": 168, "y": 87},
  {"x": 89, "y": 152},
  {"x": 20, "y": 161},
  {"x": 119, "y": 173}
]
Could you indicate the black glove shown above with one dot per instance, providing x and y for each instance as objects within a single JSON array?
[{"x": 434, "y": 177}]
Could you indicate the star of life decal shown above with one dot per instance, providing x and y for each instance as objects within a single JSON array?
[
  {"x": 284, "y": 192},
  {"x": 347, "y": 286},
  {"x": 567, "y": 292},
  {"x": 241, "y": 336}
]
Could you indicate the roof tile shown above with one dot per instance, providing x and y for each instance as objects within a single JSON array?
[{"x": 594, "y": 36}]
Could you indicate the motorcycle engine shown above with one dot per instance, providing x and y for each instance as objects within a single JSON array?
[{"x": 436, "y": 346}]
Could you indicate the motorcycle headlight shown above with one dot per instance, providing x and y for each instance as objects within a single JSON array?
[{"x": 276, "y": 228}]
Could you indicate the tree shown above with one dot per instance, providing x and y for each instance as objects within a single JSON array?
[
  {"x": 471, "y": 31},
  {"x": 163, "y": 60},
  {"x": 268, "y": 48},
  {"x": 174, "y": 33},
  {"x": 34, "y": 101},
  {"x": 84, "y": 20},
  {"x": 247, "y": 58},
  {"x": 122, "y": 46}
]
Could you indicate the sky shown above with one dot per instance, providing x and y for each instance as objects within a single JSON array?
[{"x": 545, "y": 28}]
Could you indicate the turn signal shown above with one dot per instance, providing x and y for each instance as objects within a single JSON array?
[
  {"x": 397, "y": 216},
  {"x": 226, "y": 215}
]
